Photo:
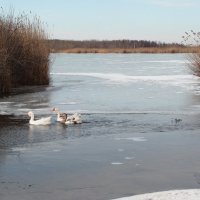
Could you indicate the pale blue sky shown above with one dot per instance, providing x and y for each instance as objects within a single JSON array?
[{"x": 158, "y": 20}]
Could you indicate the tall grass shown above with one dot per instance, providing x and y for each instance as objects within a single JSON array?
[
  {"x": 194, "y": 63},
  {"x": 192, "y": 38},
  {"x": 24, "y": 53}
]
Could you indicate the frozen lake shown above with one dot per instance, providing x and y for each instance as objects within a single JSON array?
[
  {"x": 114, "y": 83},
  {"x": 140, "y": 133}
]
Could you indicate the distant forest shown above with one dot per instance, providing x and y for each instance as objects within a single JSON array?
[{"x": 59, "y": 45}]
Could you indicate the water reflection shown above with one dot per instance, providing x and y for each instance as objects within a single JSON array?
[
  {"x": 36, "y": 98},
  {"x": 46, "y": 133}
]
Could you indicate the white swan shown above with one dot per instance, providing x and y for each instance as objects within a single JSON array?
[
  {"x": 61, "y": 117},
  {"x": 64, "y": 118},
  {"x": 42, "y": 121},
  {"x": 74, "y": 119}
]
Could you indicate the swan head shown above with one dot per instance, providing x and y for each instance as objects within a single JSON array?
[
  {"x": 63, "y": 116},
  {"x": 30, "y": 114},
  {"x": 55, "y": 109}
]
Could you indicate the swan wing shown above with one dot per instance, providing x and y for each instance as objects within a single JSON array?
[
  {"x": 46, "y": 119},
  {"x": 74, "y": 119},
  {"x": 69, "y": 122},
  {"x": 61, "y": 117},
  {"x": 42, "y": 121}
]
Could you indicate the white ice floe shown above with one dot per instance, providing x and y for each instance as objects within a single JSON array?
[
  {"x": 3, "y": 113},
  {"x": 168, "y": 61},
  {"x": 129, "y": 158},
  {"x": 190, "y": 194},
  {"x": 120, "y": 150},
  {"x": 6, "y": 102},
  {"x": 135, "y": 139},
  {"x": 117, "y": 163},
  {"x": 69, "y": 103},
  {"x": 123, "y": 78},
  {"x": 56, "y": 150}
]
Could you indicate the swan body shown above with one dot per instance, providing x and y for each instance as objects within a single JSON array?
[
  {"x": 64, "y": 118},
  {"x": 42, "y": 121},
  {"x": 74, "y": 119},
  {"x": 61, "y": 117}
]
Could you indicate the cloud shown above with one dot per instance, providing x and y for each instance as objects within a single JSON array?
[{"x": 174, "y": 3}]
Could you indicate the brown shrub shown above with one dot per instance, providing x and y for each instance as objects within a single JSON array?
[
  {"x": 24, "y": 53},
  {"x": 194, "y": 63}
]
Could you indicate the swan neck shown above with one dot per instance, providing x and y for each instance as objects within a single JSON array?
[
  {"x": 32, "y": 117},
  {"x": 58, "y": 113}
]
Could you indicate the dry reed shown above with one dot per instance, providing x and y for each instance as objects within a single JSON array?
[
  {"x": 192, "y": 39},
  {"x": 24, "y": 54},
  {"x": 194, "y": 63}
]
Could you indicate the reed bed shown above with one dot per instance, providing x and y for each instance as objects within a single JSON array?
[
  {"x": 192, "y": 38},
  {"x": 24, "y": 53},
  {"x": 194, "y": 63}
]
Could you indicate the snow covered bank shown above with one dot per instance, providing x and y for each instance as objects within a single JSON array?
[{"x": 191, "y": 194}]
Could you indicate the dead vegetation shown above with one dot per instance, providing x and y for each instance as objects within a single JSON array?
[
  {"x": 24, "y": 53},
  {"x": 192, "y": 39}
]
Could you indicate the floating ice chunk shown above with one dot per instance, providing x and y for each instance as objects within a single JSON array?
[
  {"x": 129, "y": 158},
  {"x": 120, "y": 150},
  {"x": 135, "y": 139},
  {"x": 68, "y": 103},
  {"x": 117, "y": 163},
  {"x": 167, "y": 61},
  {"x": 6, "y": 102},
  {"x": 190, "y": 194},
  {"x": 127, "y": 78},
  {"x": 3, "y": 113},
  {"x": 56, "y": 150}
]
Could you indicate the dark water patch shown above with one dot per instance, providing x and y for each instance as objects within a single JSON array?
[
  {"x": 12, "y": 120},
  {"x": 28, "y": 89},
  {"x": 197, "y": 177},
  {"x": 16, "y": 131}
]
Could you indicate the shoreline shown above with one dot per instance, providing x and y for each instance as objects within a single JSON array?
[
  {"x": 187, "y": 194},
  {"x": 151, "y": 50}
]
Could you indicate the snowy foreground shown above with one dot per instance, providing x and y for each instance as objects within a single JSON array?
[{"x": 191, "y": 194}]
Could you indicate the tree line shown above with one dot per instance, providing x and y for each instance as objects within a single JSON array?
[{"x": 56, "y": 44}]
